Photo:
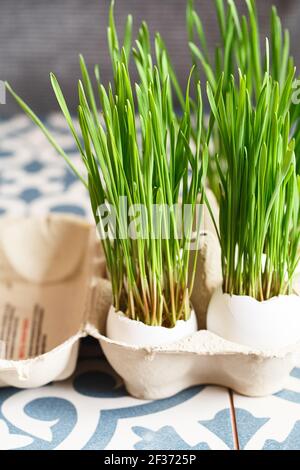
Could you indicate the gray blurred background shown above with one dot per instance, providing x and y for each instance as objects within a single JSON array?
[{"x": 39, "y": 36}]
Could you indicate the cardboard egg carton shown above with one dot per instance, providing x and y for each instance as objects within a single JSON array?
[{"x": 54, "y": 291}]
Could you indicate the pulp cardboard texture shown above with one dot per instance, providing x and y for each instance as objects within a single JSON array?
[{"x": 54, "y": 290}]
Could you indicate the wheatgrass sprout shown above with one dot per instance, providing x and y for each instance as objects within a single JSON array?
[
  {"x": 154, "y": 166},
  {"x": 240, "y": 49},
  {"x": 240, "y": 46},
  {"x": 260, "y": 191}
]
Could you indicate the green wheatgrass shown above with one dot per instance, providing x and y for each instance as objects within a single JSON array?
[
  {"x": 149, "y": 276},
  {"x": 240, "y": 49},
  {"x": 259, "y": 188},
  {"x": 256, "y": 140}
]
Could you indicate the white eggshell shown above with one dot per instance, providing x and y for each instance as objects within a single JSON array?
[
  {"x": 271, "y": 324},
  {"x": 135, "y": 333}
]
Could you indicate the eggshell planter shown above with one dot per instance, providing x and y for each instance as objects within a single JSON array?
[
  {"x": 135, "y": 333},
  {"x": 270, "y": 324},
  {"x": 73, "y": 299}
]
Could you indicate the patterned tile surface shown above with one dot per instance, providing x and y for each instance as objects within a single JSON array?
[
  {"x": 270, "y": 423},
  {"x": 33, "y": 179},
  {"x": 91, "y": 410}
]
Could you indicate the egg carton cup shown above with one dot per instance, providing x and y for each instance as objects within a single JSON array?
[{"x": 54, "y": 290}]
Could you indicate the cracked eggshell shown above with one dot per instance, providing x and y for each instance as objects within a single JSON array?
[
  {"x": 45, "y": 250},
  {"x": 271, "y": 324},
  {"x": 136, "y": 333}
]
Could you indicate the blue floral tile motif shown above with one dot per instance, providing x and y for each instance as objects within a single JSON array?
[
  {"x": 88, "y": 412},
  {"x": 247, "y": 426},
  {"x": 296, "y": 373},
  {"x": 67, "y": 179},
  {"x": 35, "y": 171},
  {"x": 68, "y": 209},
  {"x": 71, "y": 150},
  {"x": 11, "y": 440},
  {"x": 271, "y": 423},
  {"x": 61, "y": 412},
  {"x": 6, "y": 180},
  {"x": 221, "y": 426},
  {"x": 10, "y": 436},
  {"x": 166, "y": 438},
  {"x": 109, "y": 418},
  {"x": 6, "y": 154},
  {"x": 30, "y": 194},
  {"x": 33, "y": 167},
  {"x": 292, "y": 442},
  {"x": 289, "y": 395}
]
